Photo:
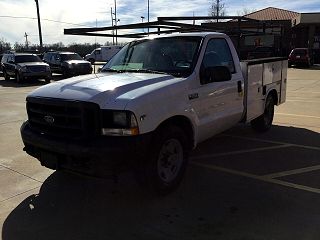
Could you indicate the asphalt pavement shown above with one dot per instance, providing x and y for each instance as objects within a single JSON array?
[{"x": 239, "y": 185}]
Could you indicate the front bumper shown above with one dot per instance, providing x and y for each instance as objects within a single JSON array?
[
  {"x": 101, "y": 156},
  {"x": 79, "y": 71},
  {"x": 35, "y": 74}
]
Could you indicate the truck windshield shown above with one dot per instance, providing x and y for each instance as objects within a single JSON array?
[{"x": 176, "y": 56}]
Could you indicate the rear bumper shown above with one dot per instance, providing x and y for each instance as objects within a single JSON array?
[
  {"x": 100, "y": 156},
  {"x": 298, "y": 61}
]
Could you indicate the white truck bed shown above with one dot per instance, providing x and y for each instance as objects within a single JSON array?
[{"x": 262, "y": 75}]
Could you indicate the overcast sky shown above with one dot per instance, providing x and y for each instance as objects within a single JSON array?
[{"x": 19, "y": 16}]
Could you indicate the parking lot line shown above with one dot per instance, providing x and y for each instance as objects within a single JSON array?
[
  {"x": 1, "y": 165},
  {"x": 303, "y": 101},
  {"x": 297, "y": 115},
  {"x": 274, "y": 142},
  {"x": 241, "y": 151},
  {"x": 260, "y": 178},
  {"x": 4, "y": 200},
  {"x": 292, "y": 172}
]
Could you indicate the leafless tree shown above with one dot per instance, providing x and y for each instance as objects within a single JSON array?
[
  {"x": 217, "y": 9},
  {"x": 245, "y": 11}
]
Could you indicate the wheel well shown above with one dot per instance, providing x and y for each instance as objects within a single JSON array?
[
  {"x": 273, "y": 93},
  {"x": 184, "y": 123}
]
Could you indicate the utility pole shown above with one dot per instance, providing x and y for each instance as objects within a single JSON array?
[
  {"x": 116, "y": 20},
  {"x": 26, "y": 36},
  {"x": 39, "y": 25},
  {"x": 218, "y": 9},
  {"x": 112, "y": 26}
]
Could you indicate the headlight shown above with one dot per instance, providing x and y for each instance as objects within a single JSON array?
[{"x": 118, "y": 123}]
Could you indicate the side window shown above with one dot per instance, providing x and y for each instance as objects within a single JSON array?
[
  {"x": 218, "y": 54},
  {"x": 97, "y": 52},
  {"x": 217, "y": 64}
]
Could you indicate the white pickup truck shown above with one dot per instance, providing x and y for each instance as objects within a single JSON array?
[{"x": 154, "y": 102}]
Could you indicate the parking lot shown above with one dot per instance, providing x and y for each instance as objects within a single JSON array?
[{"x": 240, "y": 185}]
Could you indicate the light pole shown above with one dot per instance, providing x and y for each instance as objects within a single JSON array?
[
  {"x": 39, "y": 25},
  {"x": 148, "y": 13}
]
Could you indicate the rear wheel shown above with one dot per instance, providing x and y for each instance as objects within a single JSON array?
[
  {"x": 164, "y": 169},
  {"x": 264, "y": 122}
]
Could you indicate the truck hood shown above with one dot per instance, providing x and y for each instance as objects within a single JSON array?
[{"x": 108, "y": 90}]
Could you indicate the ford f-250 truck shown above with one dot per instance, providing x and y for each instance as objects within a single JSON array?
[{"x": 155, "y": 101}]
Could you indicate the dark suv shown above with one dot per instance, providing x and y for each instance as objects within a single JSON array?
[
  {"x": 23, "y": 66},
  {"x": 67, "y": 63}
]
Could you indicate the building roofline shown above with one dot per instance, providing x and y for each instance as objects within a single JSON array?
[{"x": 270, "y": 8}]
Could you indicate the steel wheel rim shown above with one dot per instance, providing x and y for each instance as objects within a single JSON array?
[{"x": 170, "y": 160}]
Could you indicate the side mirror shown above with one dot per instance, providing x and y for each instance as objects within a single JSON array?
[{"x": 215, "y": 74}]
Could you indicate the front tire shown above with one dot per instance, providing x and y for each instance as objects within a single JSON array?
[
  {"x": 48, "y": 78},
  {"x": 19, "y": 78},
  {"x": 165, "y": 167},
  {"x": 264, "y": 122},
  {"x": 6, "y": 76}
]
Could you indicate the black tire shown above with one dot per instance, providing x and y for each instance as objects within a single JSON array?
[
  {"x": 19, "y": 78},
  {"x": 162, "y": 171},
  {"x": 47, "y": 79},
  {"x": 264, "y": 122},
  {"x": 5, "y": 75}
]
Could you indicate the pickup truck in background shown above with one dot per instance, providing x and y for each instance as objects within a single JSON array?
[{"x": 152, "y": 103}]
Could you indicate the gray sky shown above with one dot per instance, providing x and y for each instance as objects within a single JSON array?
[{"x": 19, "y": 16}]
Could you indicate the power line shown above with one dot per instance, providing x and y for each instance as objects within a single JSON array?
[{"x": 45, "y": 19}]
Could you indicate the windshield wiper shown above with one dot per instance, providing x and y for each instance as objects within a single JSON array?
[{"x": 111, "y": 70}]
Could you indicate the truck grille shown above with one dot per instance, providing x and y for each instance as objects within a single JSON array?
[{"x": 60, "y": 118}]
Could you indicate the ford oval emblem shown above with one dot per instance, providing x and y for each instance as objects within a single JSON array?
[{"x": 49, "y": 119}]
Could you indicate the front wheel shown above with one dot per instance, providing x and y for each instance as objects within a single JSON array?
[
  {"x": 264, "y": 122},
  {"x": 164, "y": 169},
  {"x": 48, "y": 78},
  {"x": 19, "y": 78},
  {"x": 6, "y": 76}
]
